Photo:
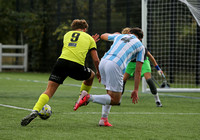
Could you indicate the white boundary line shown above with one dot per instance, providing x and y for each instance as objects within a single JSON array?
[
  {"x": 114, "y": 113},
  {"x": 133, "y": 113},
  {"x": 15, "y": 107}
]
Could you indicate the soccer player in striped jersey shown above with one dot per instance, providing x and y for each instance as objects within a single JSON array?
[
  {"x": 71, "y": 63},
  {"x": 112, "y": 66},
  {"x": 146, "y": 68}
]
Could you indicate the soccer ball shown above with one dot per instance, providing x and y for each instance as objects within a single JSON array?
[{"x": 46, "y": 112}]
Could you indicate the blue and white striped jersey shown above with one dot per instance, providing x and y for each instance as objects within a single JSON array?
[{"x": 125, "y": 48}]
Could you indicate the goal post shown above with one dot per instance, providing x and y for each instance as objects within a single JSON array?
[{"x": 172, "y": 35}]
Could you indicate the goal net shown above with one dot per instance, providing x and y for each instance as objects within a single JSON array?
[{"x": 172, "y": 35}]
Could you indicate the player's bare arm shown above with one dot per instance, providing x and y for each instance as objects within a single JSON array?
[
  {"x": 105, "y": 36},
  {"x": 95, "y": 59},
  {"x": 134, "y": 94},
  {"x": 152, "y": 59}
]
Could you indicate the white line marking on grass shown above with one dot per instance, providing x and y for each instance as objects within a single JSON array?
[
  {"x": 170, "y": 95},
  {"x": 74, "y": 85},
  {"x": 114, "y": 113},
  {"x": 15, "y": 107},
  {"x": 133, "y": 113}
]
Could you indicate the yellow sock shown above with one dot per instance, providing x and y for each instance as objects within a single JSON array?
[
  {"x": 85, "y": 87},
  {"x": 43, "y": 99}
]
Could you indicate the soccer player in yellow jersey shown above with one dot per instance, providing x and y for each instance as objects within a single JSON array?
[{"x": 71, "y": 62}]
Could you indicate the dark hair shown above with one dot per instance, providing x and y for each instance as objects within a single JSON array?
[
  {"x": 79, "y": 24},
  {"x": 138, "y": 32}
]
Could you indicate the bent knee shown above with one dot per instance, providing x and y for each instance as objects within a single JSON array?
[
  {"x": 115, "y": 97},
  {"x": 115, "y": 102},
  {"x": 92, "y": 75}
]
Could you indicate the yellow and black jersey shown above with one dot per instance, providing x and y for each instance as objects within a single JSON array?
[{"x": 76, "y": 46}]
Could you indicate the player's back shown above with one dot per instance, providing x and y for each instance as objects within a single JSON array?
[
  {"x": 76, "y": 46},
  {"x": 124, "y": 48}
]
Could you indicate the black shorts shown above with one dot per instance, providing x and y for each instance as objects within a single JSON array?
[{"x": 64, "y": 68}]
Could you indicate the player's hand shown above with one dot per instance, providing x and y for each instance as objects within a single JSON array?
[
  {"x": 96, "y": 37},
  {"x": 134, "y": 96},
  {"x": 160, "y": 72}
]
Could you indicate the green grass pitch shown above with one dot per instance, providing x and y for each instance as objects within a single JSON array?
[{"x": 178, "y": 119}]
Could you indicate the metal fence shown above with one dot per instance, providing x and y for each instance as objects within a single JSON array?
[{"x": 9, "y": 57}]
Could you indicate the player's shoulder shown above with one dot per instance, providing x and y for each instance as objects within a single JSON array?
[
  {"x": 69, "y": 33},
  {"x": 86, "y": 35},
  {"x": 89, "y": 37},
  {"x": 80, "y": 32}
]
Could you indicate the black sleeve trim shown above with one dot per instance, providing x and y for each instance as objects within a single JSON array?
[{"x": 93, "y": 49}]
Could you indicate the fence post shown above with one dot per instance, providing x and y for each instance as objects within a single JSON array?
[
  {"x": 0, "y": 57},
  {"x": 25, "y": 57}
]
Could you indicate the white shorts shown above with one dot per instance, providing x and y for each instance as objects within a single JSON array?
[{"x": 111, "y": 75}]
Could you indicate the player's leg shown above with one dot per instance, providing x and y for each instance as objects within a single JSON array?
[
  {"x": 87, "y": 84},
  {"x": 43, "y": 99},
  {"x": 83, "y": 73},
  {"x": 112, "y": 78},
  {"x": 105, "y": 108},
  {"x": 146, "y": 72},
  {"x": 126, "y": 76},
  {"x": 58, "y": 75},
  {"x": 55, "y": 80},
  {"x": 115, "y": 100},
  {"x": 153, "y": 89},
  {"x": 111, "y": 98},
  {"x": 104, "y": 117},
  {"x": 150, "y": 82},
  {"x": 87, "y": 75},
  {"x": 48, "y": 93}
]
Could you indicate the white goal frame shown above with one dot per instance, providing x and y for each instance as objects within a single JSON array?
[{"x": 145, "y": 88}]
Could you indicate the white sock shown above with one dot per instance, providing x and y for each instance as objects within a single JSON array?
[
  {"x": 100, "y": 99},
  {"x": 105, "y": 110},
  {"x": 156, "y": 97}
]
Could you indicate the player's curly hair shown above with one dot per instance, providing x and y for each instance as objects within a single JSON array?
[
  {"x": 79, "y": 24},
  {"x": 137, "y": 31},
  {"x": 126, "y": 30}
]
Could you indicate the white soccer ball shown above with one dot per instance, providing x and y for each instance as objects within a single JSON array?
[{"x": 46, "y": 112}]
